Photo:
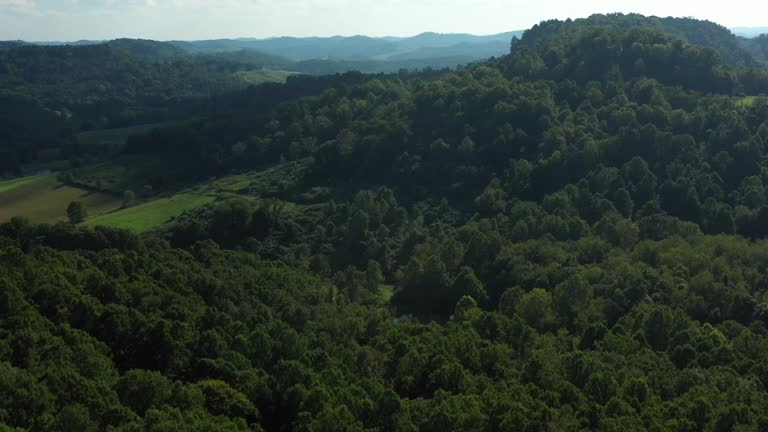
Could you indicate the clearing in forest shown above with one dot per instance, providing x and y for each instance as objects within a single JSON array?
[
  {"x": 147, "y": 216},
  {"x": 43, "y": 199}
]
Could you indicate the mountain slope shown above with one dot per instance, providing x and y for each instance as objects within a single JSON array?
[
  {"x": 121, "y": 83},
  {"x": 250, "y": 57},
  {"x": 148, "y": 49},
  {"x": 702, "y": 33},
  {"x": 572, "y": 237},
  {"x": 757, "y": 47},
  {"x": 11, "y": 44},
  {"x": 452, "y": 135},
  {"x": 67, "y": 75}
]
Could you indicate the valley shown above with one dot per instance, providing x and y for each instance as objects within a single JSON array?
[{"x": 564, "y": 229}]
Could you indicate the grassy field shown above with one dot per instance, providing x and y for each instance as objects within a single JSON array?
[
  {"x": 42, "y": 199},
  {"x": 10, "y": 185},
  {"x": 748, "y": 101},
  {"x": 153, "y": 214},
  {"x": 252, "y": 186},
  {"x": 261, "y": 76}
]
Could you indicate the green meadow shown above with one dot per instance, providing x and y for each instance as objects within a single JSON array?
[
  {"x": 43, "y": 199},
  {"x": 153, "y": 214}
]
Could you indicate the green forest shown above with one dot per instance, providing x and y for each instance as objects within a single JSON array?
[{"x": 569, "y": 237}]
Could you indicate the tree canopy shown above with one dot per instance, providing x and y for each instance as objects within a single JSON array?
[{"x": 570, "y": 237}]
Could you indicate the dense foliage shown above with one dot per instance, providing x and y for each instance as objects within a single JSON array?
[
  {"x": 580, "y": 137},
  {"x": 689, "y": 30},
  {"x": 101, "y": 329},
  {"x": 758, "y": 47},
  {"x": 572, "y": 237},
  {"x": 72, "y": 88}
]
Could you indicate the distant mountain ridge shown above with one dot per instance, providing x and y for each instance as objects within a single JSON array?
[
  {"x": 391, "y": 53},
  {"x": 362, "y": 48},
  {"x": 148, "y": 49},
  {"x": 107, "y": 83},
  {"x": 749, "y": 32},
  {"x": 321, "y": 55},
  {"x": 11, "y": 44},
  {"x": 337, "y": 54}
]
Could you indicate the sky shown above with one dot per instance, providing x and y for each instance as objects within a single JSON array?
[{"x": 70, "y": 20}]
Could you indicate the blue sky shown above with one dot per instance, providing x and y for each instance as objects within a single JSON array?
[{"x": 208, "y": 19}]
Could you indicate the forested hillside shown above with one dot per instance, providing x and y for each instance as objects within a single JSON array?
[
  {"x": 71, "y": 89},
  {"x": 702, "y": 33},
  {"x": 65, "y": 78},
  {"x": 757, "y": 47},
  {"x": 84, "y": 86},
  {"x": 68, "y": 88},
  {"x": 571, "y": 237}
]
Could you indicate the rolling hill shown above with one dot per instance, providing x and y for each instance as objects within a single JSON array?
[
  {"x": 362, "y": 48},
  {"x": 701, "y": 33},
  {"x": 757, "y": 47},
  {"x": 569, "y": 237},
  {"x": 315, "y": 55}
]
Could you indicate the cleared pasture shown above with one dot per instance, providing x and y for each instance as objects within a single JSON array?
[
  {"x": 42, "y": 199},
  {"x": 153, "y": 214}
]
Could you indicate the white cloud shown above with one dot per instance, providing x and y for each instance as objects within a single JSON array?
[
  {"x": 17, "y": 7},
  {"x": 16, "y": 3}
]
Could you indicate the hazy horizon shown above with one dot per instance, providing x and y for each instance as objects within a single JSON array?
[
  {"x": 73, "y": 20},
  {"x": 267, "y": 38}
]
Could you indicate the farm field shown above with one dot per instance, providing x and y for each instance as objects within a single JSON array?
[
  {"x": 10, "y": 185},
  {"x": 153, "y": 214},
  {"x": 42, "y": 199},
  {"x": 261, "y": 76}
]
